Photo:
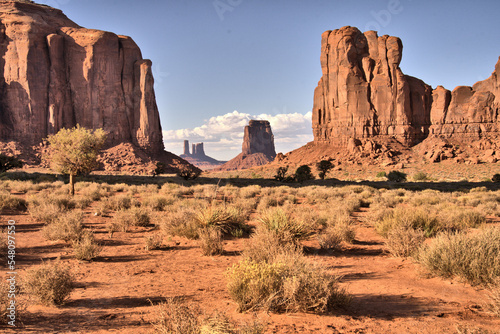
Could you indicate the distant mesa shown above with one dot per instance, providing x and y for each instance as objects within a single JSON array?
[
  {"x": 55, "y": 74},
  {"x": 257, "y": 149},
  {"x": 198, "y": 157}
]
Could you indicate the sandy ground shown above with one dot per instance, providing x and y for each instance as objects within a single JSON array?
[{"x": 114, "y": 292}]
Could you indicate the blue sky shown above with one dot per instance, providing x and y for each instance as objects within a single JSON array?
[{"x": 219, "y": 63}]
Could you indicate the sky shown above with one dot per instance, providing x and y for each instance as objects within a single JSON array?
[{"x": 219, "y": 63}]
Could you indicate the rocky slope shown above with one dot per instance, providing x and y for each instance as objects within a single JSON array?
[
  {"x": 257, "y": 149},
  {"x": 364, "y": 94},
  {"x": 54, "y": 74}
]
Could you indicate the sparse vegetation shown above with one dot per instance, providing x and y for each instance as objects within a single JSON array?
[
  {"x": 188, "y": 173},
  {"x": 396, "y": 176},
  {"x": 496, "y": 178},
  {"x": 50, "y": 283},
  {"x": 86, "y": 248},
  {"x": 473, "y": 257},
  {"x": 211, "y": 240},
  {"x": 303, "y": 173}
]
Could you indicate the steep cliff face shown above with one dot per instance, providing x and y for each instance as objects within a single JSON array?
[
  {"x": 364, "y": 94},
  {"x": 55, "y": 74}
]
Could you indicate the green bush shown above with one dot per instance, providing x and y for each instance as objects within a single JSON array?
[
  {"x": 474, "y": 257},
  {"x": 419, "y": 176},
  {"x": 496, "y": 178},
  {"x": 50, "y": 283},
  {"x": 381, "y": 174},
  {"x": 323, "y": 167},
  {"x": 303, "y": 173},
  {"x": 396, "y": 176}
]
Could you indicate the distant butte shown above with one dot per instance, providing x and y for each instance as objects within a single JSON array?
[
  {"x": 257, "y": 149},
  {"x": 198, "y": 157}
]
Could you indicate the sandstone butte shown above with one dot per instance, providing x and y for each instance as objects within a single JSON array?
[
  {"x": 55, "y": 74},
  {"x": 257, "y": 149},
  {"x": 364, "y": 94},
  {"x": 198, "y": 157}
]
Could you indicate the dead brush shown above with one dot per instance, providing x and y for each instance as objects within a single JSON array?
[
  {"x": 226, "y": 218},
  {"x": 66, "y": 227},
  {"x": 152, "y": 242},
  {"x": 50, "y": 283},
  {"x": 86, "y": 248},
  {"x": 210, "y": 239},
  {"x": 286, "y": 227},
  {"x": 404, "y": 241},
  {"x": 176, "y": 317}
]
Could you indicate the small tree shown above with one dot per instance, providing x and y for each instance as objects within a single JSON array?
[
  {"x": 303, "y": 173},
  {"x": 324, "y": 166},
  {"x": 188, "y": 173},
  {"x": 74, "y": 151},
  {"x": 281, "y": 174},
  {"x": 8, "y": 162},
  {"x": 396, "y": 176}
]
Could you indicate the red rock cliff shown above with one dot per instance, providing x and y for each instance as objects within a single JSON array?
[
  {"x": 363, "y": 93},
  {"x": 55, "y": 74}
]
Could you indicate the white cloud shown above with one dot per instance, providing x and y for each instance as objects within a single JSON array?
[{"x": 223, "y": 135}]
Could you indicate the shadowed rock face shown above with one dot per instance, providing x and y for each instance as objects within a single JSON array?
[
  {"x": 258, "y": 138},
  {"x": 363, "y": 94},
  {"x": 55, "y": 74}
]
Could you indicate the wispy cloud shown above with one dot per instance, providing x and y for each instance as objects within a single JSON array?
[{"x": 223, "y": 135}]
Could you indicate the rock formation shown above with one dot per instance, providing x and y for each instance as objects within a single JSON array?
[
  {"x": 55, "y": 74},
  {"x": 364, "y": 94},
  {"x": 257, "y": 149},
  {"x": 198, "y": 157}
]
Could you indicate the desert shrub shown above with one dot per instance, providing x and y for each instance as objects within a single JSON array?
[
  {"x": 303, "y": 173},
  {"x": 288, "y": 284},
  {"x": 9, "y": 162},
  {"x": 250, "y": 191},
  {"x": 494, "y": 297},
  {"x": 286, "y": 227},
  {"x": 11, "y": 203},
  {"x": 419, "y": 176},
  {"x": 381, "y": 174},
  {"x": 329, "y": 239},
  {"x": 175, "y": 317},
  {"x": 474, "y": 257},
  {"x": 403, "y": 241},
  {"x": 496, "y": 178},
  {"x": 158, "y": 202},
  {"x": 50, "y": 283},
  {"x": 226, "y": 218},
  {"x": 4, "y": 243},
  {"x": 119, "y": 202},
  {"x": 45, "y": 212},
  {"x": 408, "y": 217},
  {"x": 188, "y": 173},
  {"x": 124, "y": 219},
  {"x": 66, "y": 227},
  {"x": 86, "y": 248},
  {"x": 210, "y": 239},
  {"x": 456, "y": 219},
  {"x": 396, "y": 176},
  {"x": 154, "y": 241},
  {"x": 265, "y": 246},
  {"x": 179, "y": 222},
  {"x": 281, "y": 174},
  {"x": 323, "y": 167},
  {"x": 220, "y": 323}
]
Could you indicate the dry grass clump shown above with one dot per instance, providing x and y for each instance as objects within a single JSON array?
[
  {"x": 158, "y": 202},
  {"x": 226, "y": 218},
  {"x": 66, "y": 227},
  {"x": 338, "y": 229},
  {"x": 179, "y": 223},
  {"x": 50, "y": 283},
  {"x": 474, "y": 257},
  {"x": 287, "y": 284},
  {"x": 265, "y": 246},
  {"x": 45, "y": 212},
  {"x": 286, "y": 227},
  {"x": 118, "y": 202},
  {"x": 175, "y": 316},
  {"x": 454, "y": 218},
  {"x": 11, "y": 203},
  {"x": 403, "y": 241},
  {"x": 86, "y": 248},
  {"x": 124, "y": 219},
  {"x": 250, "y": 191},
  {"x": 154, "y": 241},
  {"x": 93, "y": 191},
  {"x": 210, "y": 239}
]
